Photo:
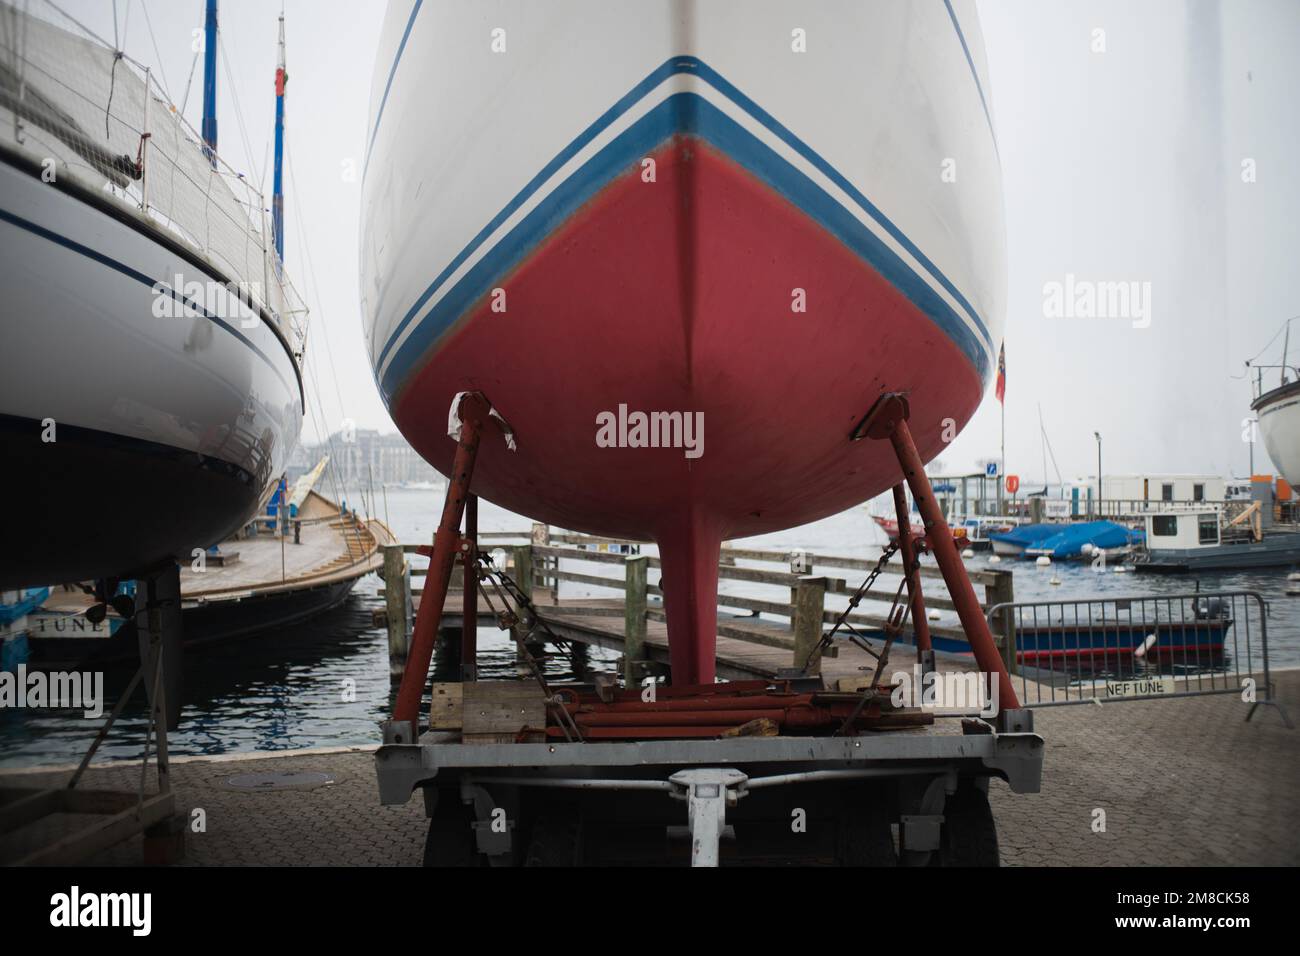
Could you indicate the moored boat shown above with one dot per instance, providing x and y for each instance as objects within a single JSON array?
[
  {"x": 267, "y": 577},
  {"x": 1085, "y": 540},
  {"x": 1012, "y": 543},
  {"x": 1198, "y": 640},
  {"x": 1177, "y": 543}
]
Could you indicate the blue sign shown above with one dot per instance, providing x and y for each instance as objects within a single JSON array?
[{"x": 991, "y": 470}]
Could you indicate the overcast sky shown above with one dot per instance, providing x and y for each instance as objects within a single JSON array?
[{"x": 1119, "y": 165}]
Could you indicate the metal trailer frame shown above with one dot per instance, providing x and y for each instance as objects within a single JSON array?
[
  {"x": 918, "y": 773},
  {"x": 711, "y": 776}
]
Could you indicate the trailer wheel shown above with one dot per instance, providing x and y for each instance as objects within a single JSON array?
[
  {"x": 865, "y": 838},
  {"x": 968, "y": 836},
  {"x": 451, "y": 841},
  {"x": 556, "y": 841}
]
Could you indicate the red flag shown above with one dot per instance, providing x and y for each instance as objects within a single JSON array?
[{"x": 1001, "y": 390}]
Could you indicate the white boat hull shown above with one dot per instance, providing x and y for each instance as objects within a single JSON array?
[
  {"x": 135, "y": 428},
  {"x": 1279, "y": 426}
]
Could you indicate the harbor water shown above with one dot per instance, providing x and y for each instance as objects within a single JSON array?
[{"x": 326, "y": 682}]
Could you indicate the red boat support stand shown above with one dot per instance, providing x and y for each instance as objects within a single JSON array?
[
  {"x": 887, "y": 419},
  {"x": 447, "y": 544}
]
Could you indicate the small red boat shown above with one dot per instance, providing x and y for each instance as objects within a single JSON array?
[{"x": 890, "y": 527}]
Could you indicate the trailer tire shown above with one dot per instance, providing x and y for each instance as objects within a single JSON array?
[
  {"x": 451, "y": 841},
  {"x": 969, "y": 836},
  {"x": 555, "y": 841},
  {"x": 865, "y": 838}
]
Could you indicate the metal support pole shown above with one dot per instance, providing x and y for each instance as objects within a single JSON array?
[
  {"x": 920, "y": 623},
  {"x": 469, "y": 618},
  {"x": 446, "y": 545},
  {"x": 888, "y": 419}
]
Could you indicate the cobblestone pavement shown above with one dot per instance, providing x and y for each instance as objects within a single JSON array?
[{"x": 1181, "y": 782}]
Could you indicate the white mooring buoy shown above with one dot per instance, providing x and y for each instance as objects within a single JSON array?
[
  {"x": 1043, "y": 561},
  {"x": 1055, "y": 580},
  {"x": 934, "y": 615},
  {"x": 968, "y": 553},
  {"x": 995, "y": 559}
]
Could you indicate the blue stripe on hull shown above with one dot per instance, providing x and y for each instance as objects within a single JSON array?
[
  {"x": 177, "y": 294},
  {"x": 680, "y": 114}
]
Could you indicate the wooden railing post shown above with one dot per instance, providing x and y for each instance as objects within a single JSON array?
[
  {"x": 541, "y": 535},
  {"x": 809, "y": 607},
  {"x": 397, "y": 600},
  {"x": 800, "y": 563},
  {"x": 634, "y": 619},
  {"x": 1001, "y": 590},
  {"x": 524, "y": 569}
]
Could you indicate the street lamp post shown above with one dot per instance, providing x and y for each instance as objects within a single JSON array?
[{"x": 1097, "y": 435}]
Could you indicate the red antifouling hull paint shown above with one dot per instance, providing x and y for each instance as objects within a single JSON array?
[{"x": 676, "y": 296}]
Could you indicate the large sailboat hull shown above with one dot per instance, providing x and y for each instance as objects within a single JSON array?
[
  {"x": 1279, "y": 426},
  {"x": 136, "y": 428},
  {"x": 699, "y": 222}
]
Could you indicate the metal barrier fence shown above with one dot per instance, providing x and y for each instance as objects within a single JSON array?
[{"x": 1140, "y": 647}]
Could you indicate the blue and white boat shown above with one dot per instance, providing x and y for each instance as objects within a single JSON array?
[
  {"x": 1085, "y": 539},
  {"x": 1012, "y": 544}
]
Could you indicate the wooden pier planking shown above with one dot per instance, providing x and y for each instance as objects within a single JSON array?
[
  {"x": 748, "y": 645},
  {"x": 747, "y": 648}
]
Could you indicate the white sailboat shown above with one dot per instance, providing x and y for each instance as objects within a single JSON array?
[
  {"x": 150, "y": 381},
  {"x": 1278, "y": 410}
]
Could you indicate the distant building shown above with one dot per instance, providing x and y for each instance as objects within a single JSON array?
[
  {"x": 361, "y": 458},
  {"x": 1160, "y": 488}
]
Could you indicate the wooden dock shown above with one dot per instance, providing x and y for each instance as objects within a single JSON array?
[
  {"x": 757, "y": 636},
  {"x": 330, "y": 547},
  {"x": 327, "y": 552}
]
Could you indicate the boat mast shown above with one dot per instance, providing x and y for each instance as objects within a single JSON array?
[
  {"x": 277, "y": 194},
  {"x": 209, "y": 129},
  {"x": 1286, "y": 345}
]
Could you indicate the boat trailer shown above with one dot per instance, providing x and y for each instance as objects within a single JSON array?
[{"x": 569, "y": 774}]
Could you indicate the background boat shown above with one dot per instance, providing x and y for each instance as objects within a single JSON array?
[
  {"x": 700, "y": 221},
  {"x": 156, "y": 363},
  {"x": 1278, "y": 412},
  {"x": 1177, "y": 543},
  {"x": 268, "y": 577}
]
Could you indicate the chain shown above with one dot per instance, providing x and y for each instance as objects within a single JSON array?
[
  {"x": 508, "y": 620},
  {"x": 842, "y": 622}
]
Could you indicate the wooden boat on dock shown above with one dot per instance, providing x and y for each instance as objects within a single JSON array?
[{"x": 254, "y": 583}]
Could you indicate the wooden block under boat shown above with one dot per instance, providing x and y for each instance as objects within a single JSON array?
[
  {"x": 445, "y": 710},
  {"x": 501, "y": 707}
]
